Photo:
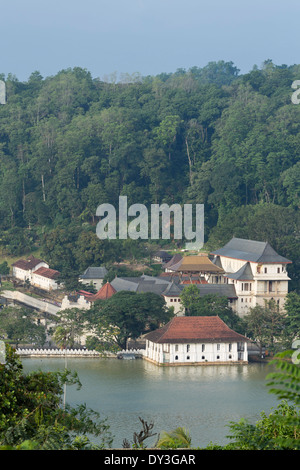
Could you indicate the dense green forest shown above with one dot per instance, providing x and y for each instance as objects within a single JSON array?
[{"x": 207, "y": 135}]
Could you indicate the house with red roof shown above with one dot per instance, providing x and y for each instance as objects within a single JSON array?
[
  {"x": 23, "y": 268},
  {"x": 45, "y": 278},
  {"x": 37, "y": 272},
  {"x": 195, "y": 340}
]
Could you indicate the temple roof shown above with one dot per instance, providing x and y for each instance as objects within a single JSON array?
[
  {"x": 250, "y": 250},
  {"x": 194, "y": 329},
  {"x": 198, "y": 263},
  {"x": 243, "y": 274},
  {"x": 104, "y": 293}
]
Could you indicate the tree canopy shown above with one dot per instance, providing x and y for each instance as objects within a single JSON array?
[
  {"x": 132, "y": 313},
  {"x": 210, "y": 135}
]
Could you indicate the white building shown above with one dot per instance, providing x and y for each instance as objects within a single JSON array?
[
  {"x": 93, "y": 276},
  {"x": 257, "y": 272},
  {"x": 45, "y": 278},
  {"x": 195, "y": 340},
  {"x": 37, "y": 272},
  {"x": 23, "y": 268}
]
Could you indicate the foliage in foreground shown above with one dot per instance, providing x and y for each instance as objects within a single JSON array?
[{"x": 33, "y": 416}]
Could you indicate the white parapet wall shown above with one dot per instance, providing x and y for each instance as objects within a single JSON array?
[
  {"x": 56, "y": 352},
  {"x": 44, "y": 352}
]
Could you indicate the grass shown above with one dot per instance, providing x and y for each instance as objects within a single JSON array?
[{"x": 10, "y": 259}]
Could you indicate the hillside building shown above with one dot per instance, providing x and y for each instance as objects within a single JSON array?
[
  {"x": 93, "y": 276},
  {"x": 256, "y": 271}
]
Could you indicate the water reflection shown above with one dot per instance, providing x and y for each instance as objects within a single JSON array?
[{"x": 204, "y": 399}]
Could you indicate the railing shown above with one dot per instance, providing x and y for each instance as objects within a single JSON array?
[
  {"x": 74, "y": 352},
  {"x": 56, "y": 352}
]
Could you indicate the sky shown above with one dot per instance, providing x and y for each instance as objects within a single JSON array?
[{"x": 148, "y": 37}]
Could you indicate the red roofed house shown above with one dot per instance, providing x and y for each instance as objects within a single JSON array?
[
  {"x": 45, "y": 278},
  {"x": 195, "y": 340},
  {"x": 36, "y": 271},
  {"x": 23, "y": 268}
]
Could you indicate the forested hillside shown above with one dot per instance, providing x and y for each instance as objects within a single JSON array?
[{"x": 206, "y": 135}]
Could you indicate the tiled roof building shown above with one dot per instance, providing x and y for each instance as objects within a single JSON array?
[{"x": 195, "y": 339}]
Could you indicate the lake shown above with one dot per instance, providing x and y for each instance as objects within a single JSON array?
[{"x": 203, "y": 399}]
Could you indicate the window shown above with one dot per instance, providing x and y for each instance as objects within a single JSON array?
[
  {"x": 188, "y": 347},
  {"x": 266, "y": 270},
  {"x": 230, "y": 347},
  {"x": 218, "y": 347},
  {"x": 187, "y": 357},
  {"x": 203, "y": 347},
  {"x": 203, "y": 357},
  {"x": 278, "y": 270},
  {"x": 218, "y": 357},
  {"x": 176, "y": 358},
  {"x": 246, "y": 286}
]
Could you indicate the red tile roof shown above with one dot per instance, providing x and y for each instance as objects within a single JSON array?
[
  {"x": 27, "y": 264},
  {"x": 193, "y": 330},
  {"x": 47, "y": 272},
  {"x": 105, "y": 292},
  {"x": 87, "y": 295}
]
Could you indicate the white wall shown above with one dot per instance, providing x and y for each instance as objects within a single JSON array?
[
  {"x": 270, "y": 282},
  {"x": 43, "y": 282},
  {"x": 97, "y": 283},
  {"x": 81, "y": 303},
  {"x": 23, "y": 274},
  {"x": 176, "y": 303},
  {"x": 195, "y": 352}
]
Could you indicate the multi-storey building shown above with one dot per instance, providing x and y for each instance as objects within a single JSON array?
[{"x": 257, "y": 271}]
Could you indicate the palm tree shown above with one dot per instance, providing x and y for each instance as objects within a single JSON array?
[{"x": 178, "y": 438}]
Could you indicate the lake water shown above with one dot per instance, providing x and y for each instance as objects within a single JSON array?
[{"x": 203, "y": 399}]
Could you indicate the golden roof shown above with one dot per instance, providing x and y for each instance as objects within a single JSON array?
[{"x": 198, "y": 263}]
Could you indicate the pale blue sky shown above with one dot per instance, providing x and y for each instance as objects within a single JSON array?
[{"x": 145, "y": 36}]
